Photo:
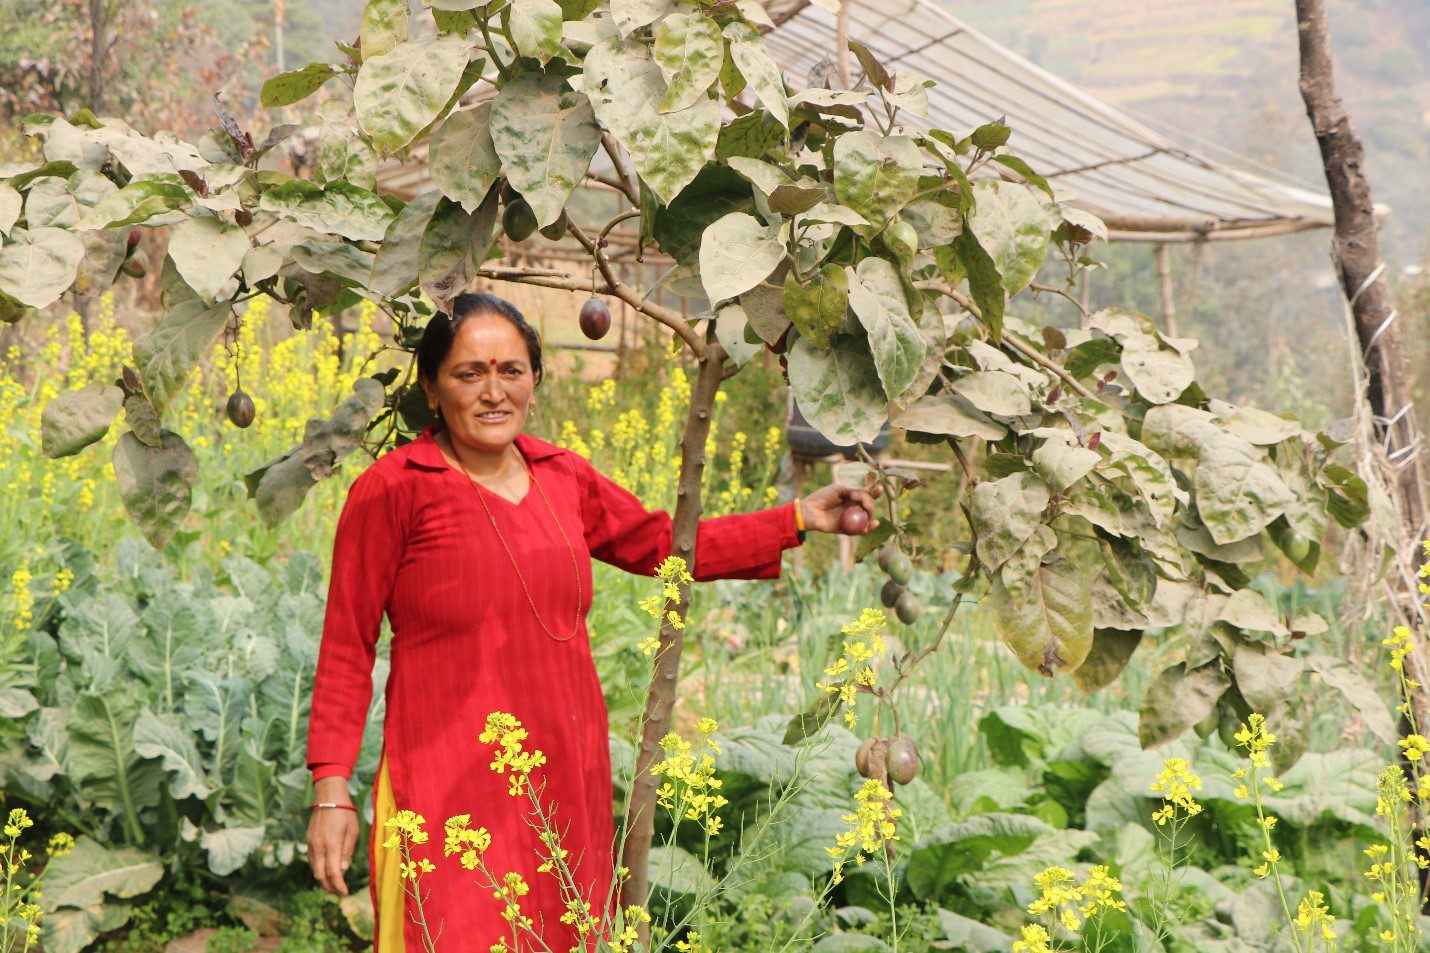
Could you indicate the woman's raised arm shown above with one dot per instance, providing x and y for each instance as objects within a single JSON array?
[{"x": 621, "y": 531}]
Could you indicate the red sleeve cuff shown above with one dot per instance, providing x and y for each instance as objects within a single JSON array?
[{"x": 325, "y": 770}]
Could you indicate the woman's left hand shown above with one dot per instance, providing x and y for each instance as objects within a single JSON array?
[{"x": 823, "y": 508}]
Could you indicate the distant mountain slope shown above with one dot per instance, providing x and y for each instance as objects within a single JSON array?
[{"x": 1226, "y": 72}]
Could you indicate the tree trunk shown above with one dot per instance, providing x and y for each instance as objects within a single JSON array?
[
  {"x": 1356, "y": 249},
  {"x": 1388, "y": 381},
  {"x": 98, "y": 53},
  {"x": 660, "y": 705}
]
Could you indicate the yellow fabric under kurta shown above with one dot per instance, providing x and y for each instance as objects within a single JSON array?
[{"x": 385, "y": 873}]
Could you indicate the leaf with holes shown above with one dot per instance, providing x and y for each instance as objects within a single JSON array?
[{"x": 689, "y": 51}]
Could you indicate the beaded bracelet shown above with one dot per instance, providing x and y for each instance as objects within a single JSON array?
[{"x": 346, "y": 807}]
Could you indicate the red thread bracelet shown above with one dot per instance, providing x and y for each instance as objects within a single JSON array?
[{"x": 346, "y": 807}]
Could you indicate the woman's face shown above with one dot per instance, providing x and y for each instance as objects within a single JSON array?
[{"x": 487, "y": 371}]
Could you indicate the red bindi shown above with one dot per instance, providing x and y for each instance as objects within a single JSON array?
[{"x": 493, "y": 360}]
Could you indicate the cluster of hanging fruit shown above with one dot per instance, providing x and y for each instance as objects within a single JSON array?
[
  {"x": 888, "y": 759},
  {"x": 895, "y": 595}
]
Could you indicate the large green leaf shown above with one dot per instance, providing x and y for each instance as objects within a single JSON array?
[
  {"x": 536, "y": 28},
  {"x": 1339, "y": 783},
  {"x": 38, "y": 265},
  {"x": 716, "y": 191},
  {"x": 1264, "y": 676},
  {"x": 998, "y": 393},
  {"x": 1177, "y": 699},
  {"x": 230, "y": 847},
  {"x": 462, "y": 159},
  {"x": 394, "y": 268},
  {"x": 675, "y": 871},
  {"x": 167, "y": 738},
  {"x": 689, "y": 50},
  {"x": 155, "y": 483},
  {"x": 384, "y": 26},
  {"x": 1013, "y": 226},
  {"x": 167, "y": 353},
  {"x": 736, "y": 254},
  {"x": 400, "y": 93},
  {"x": 1005, "y": 514},
  {"x": 10, "y": 204},
  {"x": 337, "y": 207},
  {"x": 1159, "y": 373},
  {"x": 837, "y": 389},
  {"x": 875, "y": 175},
  {"x": 141, "y": 199},
  {"x": 72, "y": 929},
  {"x": 207, "y": 251},
  {"x": 78, "y": 418},
  {"x": 285, "y": 89},
  {"x": 876, "y": 296},
  {"x": 938, "y": 860},
  {"x": 1238, "y": 491},
  {"x": 90, "y": 871},
  {"x": 1041, "y": 602},
  {"x": 545, "y": 134},
  {"x": 761, "y": 73},
  {"x": 819, "y": 308},
  {"x": 626, "y": 88},
  {"x": 453, "y": 247},
  {"x": 948, "y": 415},
  {"x": 102, "y": 760},
  {"x": 1359, "y": 693}
]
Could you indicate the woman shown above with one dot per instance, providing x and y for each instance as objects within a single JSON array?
[{"x": 476, "y": 540}]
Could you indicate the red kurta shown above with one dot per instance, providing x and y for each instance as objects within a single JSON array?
[{"x": 413, "y": 541}]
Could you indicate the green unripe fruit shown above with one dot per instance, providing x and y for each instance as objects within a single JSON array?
[
  {"x": 907, "y": 607},
  {"x": 902, "y": 237},
  {"x": 901, "y": 568},
  {"x": 890, "y": 594},
  {"x": 1207, "y": 725},
  {"x": 518, "y": 220},
  {"x": 1295, "y": 546}
]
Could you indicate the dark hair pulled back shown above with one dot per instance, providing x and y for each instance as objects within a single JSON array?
[{"x": 441, "y": 330}]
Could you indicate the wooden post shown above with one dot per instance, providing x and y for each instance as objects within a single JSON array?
[{"x": 1164, "y": 289}]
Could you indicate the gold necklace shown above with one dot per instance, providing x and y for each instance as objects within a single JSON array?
[{"x": 574, "y": 565}]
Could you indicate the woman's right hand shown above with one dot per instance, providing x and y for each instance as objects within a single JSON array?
[{"x": 332, "y": 835}]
